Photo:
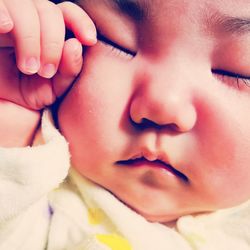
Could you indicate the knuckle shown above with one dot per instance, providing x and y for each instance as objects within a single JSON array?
[
  {"x": 48, "y": 7},
  {"x": 29, "y": 38},
  {"x": 52, "y": 47},
  {"x": 44, "y": 5},
  {"x": 66, "y": 4},
  {"x": 77, "y": 60}
]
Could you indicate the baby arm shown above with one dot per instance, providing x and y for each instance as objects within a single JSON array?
[
  {"x": 31, "y": 38},
  {"x": 36, "y": 64}
]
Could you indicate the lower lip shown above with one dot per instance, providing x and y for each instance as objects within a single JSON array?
[
  {"x": 153, "y": 164},
  {"x": 160, "y": 169}
]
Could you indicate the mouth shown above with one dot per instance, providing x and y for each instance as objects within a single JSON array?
[{"x": 142, "y": 161}]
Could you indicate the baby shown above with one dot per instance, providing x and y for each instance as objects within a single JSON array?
[{"x": 158, "y": 130}]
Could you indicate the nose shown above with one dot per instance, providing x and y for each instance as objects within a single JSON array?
[{"x": 160, "y": 101}]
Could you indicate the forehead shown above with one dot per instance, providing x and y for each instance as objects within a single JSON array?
[
  {"x": 231, "y": 16},
  {"x": 159, "y": 6},
  {"x": 161, "y": 9}
]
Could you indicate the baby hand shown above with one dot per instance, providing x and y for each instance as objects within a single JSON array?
[{"x": 36, "y": 64}]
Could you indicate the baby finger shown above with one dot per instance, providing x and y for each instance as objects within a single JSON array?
[
  {"x": 6, "y": 23},
  {"x": 52, "y": 37},
  {"x": 77, "y": 20},
  {"x": 26, "y": 34}
]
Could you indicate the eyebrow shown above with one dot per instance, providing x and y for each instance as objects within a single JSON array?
[
  {"x": 236, "y": 25},
  {"x": 229, "y": 24},
  {"x": 139, "y": 11}
]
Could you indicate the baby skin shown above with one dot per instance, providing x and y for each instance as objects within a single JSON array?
[
  {"x": 159, "y": 113},
  {"x": 37, "y": 65}
]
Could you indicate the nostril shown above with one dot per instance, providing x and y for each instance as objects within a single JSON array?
[
  {"x": 145, "y": 124},
  {"x": 172, "y": 110},
  {"x": 148, "y": 124}
]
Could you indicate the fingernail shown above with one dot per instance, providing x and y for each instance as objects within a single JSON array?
[
  {"x": 48, "y": 70},
  {"x": 91, "y": 36},
  {"x": 5, "y": 21},
  {"x": 76, "y": 49},
  {"x": 32, "y": 65}
]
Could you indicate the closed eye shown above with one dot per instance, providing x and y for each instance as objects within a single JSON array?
[
  {"x": 231, "y": 78},
  {"x": 116, "y": 47}
]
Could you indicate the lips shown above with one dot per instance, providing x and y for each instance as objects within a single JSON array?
[{"x": 142, "y": 161}]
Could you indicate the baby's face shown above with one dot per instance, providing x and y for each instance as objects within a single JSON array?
[{"x": 160, "y": 114}]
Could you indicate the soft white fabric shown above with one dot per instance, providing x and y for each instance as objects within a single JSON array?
[
  {"x": 80, "y": 201},
  {"x": 40, "y": 209},
  {"x": 26, "y": 177},
  {"x": 227, "y": 229}
]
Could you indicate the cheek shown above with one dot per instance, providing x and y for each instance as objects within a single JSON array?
[
  {"x": 224, "y": 145},
  {"x": 91, "y": 115}
]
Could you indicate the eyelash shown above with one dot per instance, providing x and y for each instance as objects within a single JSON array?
[
  {"x": 232, "y": 78},
  {"x": 221, "y": 74},
  {"x": 116, "y": 48}
]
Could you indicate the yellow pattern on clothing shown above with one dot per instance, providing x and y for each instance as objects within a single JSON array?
[
  {"x": 95, "y": 216},
  {"x": 114, "y": 241},
  {"x": 195, "y": 239}
]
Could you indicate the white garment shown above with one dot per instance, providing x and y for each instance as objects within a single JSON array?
[{"x": 39, "y": 210}]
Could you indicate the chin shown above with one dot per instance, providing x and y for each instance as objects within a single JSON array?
[
  {"x": 164, "y": 219},
  {"x": 157, "y": 217}
]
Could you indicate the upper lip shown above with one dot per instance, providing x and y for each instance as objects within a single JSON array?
[{"x": 152, "y": 157}]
